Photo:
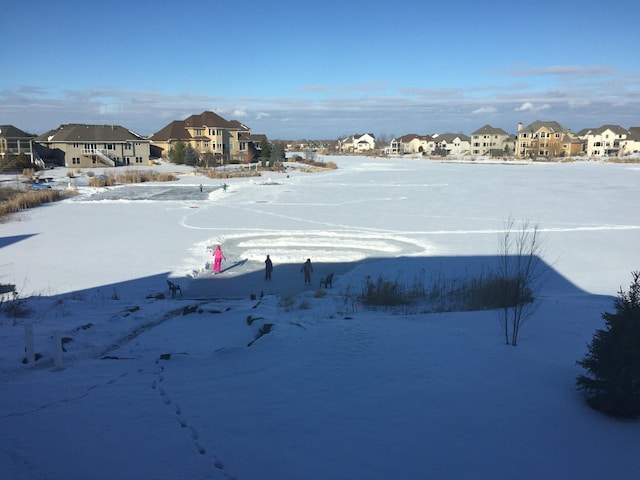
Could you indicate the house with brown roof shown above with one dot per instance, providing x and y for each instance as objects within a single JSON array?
[
  {"x": 214, "y": 138},
  {"x": 80, "y": 145},
  {"x": 546, "y": 139}
]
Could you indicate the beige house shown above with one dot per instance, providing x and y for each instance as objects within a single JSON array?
[
  {"x": 357, "y": 143},
  {"x": 546, "y": 139},
  {"x": 491, "y": 141},
  {"x": 84, "y": 146},
  {"x": 408, "y": 144},
  {"x": 13, "y": 142},
  {"x": 605, "y": 141},
  {"x": 217, "y": 140}
]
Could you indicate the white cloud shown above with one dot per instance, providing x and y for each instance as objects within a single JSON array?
[
  {"x": 524, "y": 107},
  {"x": 484, "y": 110}
]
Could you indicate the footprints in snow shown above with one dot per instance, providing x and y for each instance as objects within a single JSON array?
[{"x": 177, "y": 410}]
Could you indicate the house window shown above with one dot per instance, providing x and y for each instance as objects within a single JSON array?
[
  {"x": 198, "y": 132},
  {"x": 127, "y": 146}
]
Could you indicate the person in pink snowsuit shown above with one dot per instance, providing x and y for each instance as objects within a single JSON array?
[{"x": 218, "y": 256}]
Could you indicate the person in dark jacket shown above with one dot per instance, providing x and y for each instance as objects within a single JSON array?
[
  {"x": 268, "y": 268},
  {"x": 307, "y": 269}
]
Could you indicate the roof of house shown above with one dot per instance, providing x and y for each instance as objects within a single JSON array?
[
  {"x": 634, "y": 133},
  {"x": 235, "y": 124},
  {"x": 206, "y": 119},
  {"x": 174, "y": 131},
  {"x": 9, "y": 131},
  {"x": 258, "y": 137},
  {"x": 80, "y": 132},
  {"x": 407, "y": 138},
  {"x": 617, "y": 129},
  {"x": 552, "y": 126},
  {"x": 450, "y": 137},
  {"x": 489, "y": 130},
  {"x": 177, "y": 130}
]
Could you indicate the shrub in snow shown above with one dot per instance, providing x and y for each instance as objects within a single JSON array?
[{"x": 613, "y": 359}]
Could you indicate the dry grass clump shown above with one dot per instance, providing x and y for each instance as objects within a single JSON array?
[
  {"x": 314, "y": 163},
  {"x": 243, "y": 173},
  {"x": 623, "y": 160},
  {"x": 131, "y": 176},
  {"x": 14, "y": 201}
]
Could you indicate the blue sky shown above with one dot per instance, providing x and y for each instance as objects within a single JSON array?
[{"x": 321, "y": 70}]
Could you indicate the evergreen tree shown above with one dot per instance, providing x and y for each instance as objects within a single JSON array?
[
  {"x": 177, "y": 152},
  {"x": 265, "y": 152},
  {"x": 190, "y": 156},
  {"x": 613, "y": 359},
  {"x": 277, "y": 154}
]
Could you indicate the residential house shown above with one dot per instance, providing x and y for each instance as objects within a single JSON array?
[
  {"x": 83, "y": 146},
  {"x": 408, "y": 144},
  {"x": 546, "y": 139},
  {"x": 631, "y": 144},
  {"x": 214, "y": 138},
  {"x": 357, "y": 143},
  {"x": 449, "y": 144},
  {"x": 491, "y": 141},
  {"x": 604, "y": 141},
  {"x": 14, "y": 142}
]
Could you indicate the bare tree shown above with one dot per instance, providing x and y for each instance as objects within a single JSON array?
[{"x": 521, "y": 274}]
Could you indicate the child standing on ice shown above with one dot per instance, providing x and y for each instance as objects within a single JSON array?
[{"x": 218, "y": 256}]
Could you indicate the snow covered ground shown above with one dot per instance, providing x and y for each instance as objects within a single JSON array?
[{"x": 161, "y": 388}]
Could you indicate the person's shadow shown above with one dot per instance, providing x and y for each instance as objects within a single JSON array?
[{"x": 235, "y": 265}]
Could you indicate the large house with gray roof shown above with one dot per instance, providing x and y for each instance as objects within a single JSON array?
[
  {"x": 491, "y": 141},
  {"x": 605, "y": 141},
  {"x": 78, "y": 145},
  {"x": 546, "y": 139}
]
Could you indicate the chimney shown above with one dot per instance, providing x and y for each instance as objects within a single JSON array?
[{"x": 519, "y": 127}]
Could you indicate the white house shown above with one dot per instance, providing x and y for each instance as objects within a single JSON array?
[
  {"x": 605, "y": 141},
  {"x": 631, "y": 144},
  {"x": 449, "y": 144},
  {"x": 357, "y": 143}
]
